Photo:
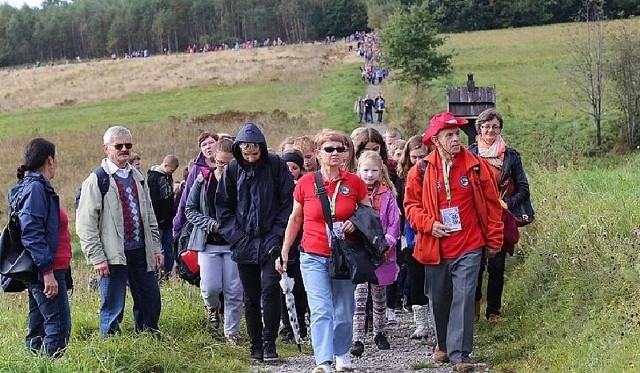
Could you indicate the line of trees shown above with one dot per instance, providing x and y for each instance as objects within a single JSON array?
[
  {"x": 472, "y": 15},
  {"x": 97, "y": 28},
  {"x": 62, "y": 29}
]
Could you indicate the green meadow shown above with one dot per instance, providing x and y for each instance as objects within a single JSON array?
[{"x": 571, "y": 295}]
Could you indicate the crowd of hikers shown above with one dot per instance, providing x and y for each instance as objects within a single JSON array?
[{"x": 250, "y": 214}]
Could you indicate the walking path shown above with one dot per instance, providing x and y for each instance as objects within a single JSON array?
[{"x": 405, "y": 355}]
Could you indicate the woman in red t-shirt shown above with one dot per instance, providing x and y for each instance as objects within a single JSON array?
[{"x": 331, "y": 301}]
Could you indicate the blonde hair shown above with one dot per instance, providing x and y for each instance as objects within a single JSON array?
[
  {"x": 249, "y": 147},
  {"x": 370, "y": 155},
  {"x": 289, "y": 140},
  {"x": 397, "y": 145},
  {"x": 304, "y": 144},
  {"x": 404, "y": 164}
]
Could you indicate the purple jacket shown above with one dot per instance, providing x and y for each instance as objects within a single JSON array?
[
  {"x": 387, "y": 273},
  {"x": 180, "y": 219}
]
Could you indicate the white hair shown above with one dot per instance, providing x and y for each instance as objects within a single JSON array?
[{"x": 115, "y": 131}]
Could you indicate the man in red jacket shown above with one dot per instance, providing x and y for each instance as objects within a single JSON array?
[{"x": 455, "y": 209}]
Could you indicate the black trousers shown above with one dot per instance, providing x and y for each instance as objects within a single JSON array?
[
  {"x": 261, "y": 300},
  {"x": 495, "y": 283},
  {"x": 416, "y": 280}
]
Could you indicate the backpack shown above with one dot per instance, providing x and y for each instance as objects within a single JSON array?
[
  {"x": 186, "y": 260},
  {"x": 103, "y": 184}
]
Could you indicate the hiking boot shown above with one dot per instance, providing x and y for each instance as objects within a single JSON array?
[
  {"x": 269, "y": 352},
  {"x": 357, "y": 349},
  {"x": 256, "y": 353},
  {"x": 213, "y": 317},
  {"x": 463, "y": 367},
  {"x": 494, "y": 317},
  {"x": 440, "y": 356},
  {"x": 391, "y": 317},
  {"x": 343, "y": 363},
  {"x": 381, "y": 341}
]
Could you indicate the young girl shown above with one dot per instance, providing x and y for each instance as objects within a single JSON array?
[
  {"x": 414, "y": 152},
  {"x": 382, "y": 194}
]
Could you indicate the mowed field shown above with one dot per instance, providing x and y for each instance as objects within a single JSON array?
[{"x": 571, "y": 297}]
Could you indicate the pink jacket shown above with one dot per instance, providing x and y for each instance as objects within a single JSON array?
[{"x": 390, "y": 218}]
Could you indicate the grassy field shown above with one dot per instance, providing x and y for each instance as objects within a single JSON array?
[
  {"x": 572, "y": 287},
  {"x": 528, "y": 68}
]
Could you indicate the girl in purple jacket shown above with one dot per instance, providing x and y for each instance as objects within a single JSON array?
[{"x": 382, "y": 193}]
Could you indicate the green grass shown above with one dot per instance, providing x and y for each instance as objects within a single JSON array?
[
  {"x": 162, "y": 122},
  {"x": 528, "y": 67},
  {"x": 571, "y": 296},
  {"x": 327, "y": 99}
]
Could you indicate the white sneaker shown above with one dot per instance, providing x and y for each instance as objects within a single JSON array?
[
  {"x": 343, "y": 363},
  {"x": 322, "y": 368},
  {"x": 391, "y": 317}
]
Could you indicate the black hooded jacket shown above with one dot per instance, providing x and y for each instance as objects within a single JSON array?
[
  {"x": 511, "y": 169},
  {"x": 254, "y": 201}
]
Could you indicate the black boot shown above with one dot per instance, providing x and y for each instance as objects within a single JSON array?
[{"x": 269, "y": 352}]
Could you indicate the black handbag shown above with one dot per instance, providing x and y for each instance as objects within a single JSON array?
[
  {"x": 16, "y": 264},
  {"x": 346, "y": 260},
  {"x": 523, "y": 213}
]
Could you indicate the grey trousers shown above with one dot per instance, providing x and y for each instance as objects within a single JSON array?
[
  {"x": 218, "y": 273},
  {"x": 451, "y": 288}
]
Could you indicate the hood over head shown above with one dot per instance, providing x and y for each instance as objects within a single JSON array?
[{"x": 250, "y": 133}]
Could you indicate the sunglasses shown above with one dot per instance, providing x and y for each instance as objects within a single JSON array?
[
  {"x": 331, "y": 149},
  {"x": 120, "y": 146}
]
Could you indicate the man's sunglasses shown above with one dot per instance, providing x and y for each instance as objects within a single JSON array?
[
  {"x": 120, "y": 146},
  {"x": 331, "y": 149}
]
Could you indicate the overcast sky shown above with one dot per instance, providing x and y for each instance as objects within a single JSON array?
[{"x": 20, "y": 3}]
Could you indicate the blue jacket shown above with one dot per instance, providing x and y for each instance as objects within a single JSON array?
[
  {"x": 252, "y": 203},
  {"x": 39, "y": 214}
]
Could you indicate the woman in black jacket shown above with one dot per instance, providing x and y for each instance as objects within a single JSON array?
[{"x": 514, "y": 189}]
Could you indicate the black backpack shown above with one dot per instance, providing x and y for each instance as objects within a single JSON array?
[{"x": 103, "y": 184}]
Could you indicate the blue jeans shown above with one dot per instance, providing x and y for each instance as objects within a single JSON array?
[
  {"x": 166, "y": 240},
  {"x": 332, "y": 305},
  {"x": 144, "y": 291},
  {"x": 451, "y": 287},
  {"x": 49, "y": 318}
]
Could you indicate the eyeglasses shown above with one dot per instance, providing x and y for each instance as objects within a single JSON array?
[
  {"x": 495, "y": 128},
  {"x": 331, "y": 149},
  {"x": 120, "y": 146}
]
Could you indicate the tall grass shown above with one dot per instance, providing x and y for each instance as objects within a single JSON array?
[{"x": 571, "y": 296}]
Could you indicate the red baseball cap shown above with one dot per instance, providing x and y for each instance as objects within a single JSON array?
[{"x": 438, "y": 123}]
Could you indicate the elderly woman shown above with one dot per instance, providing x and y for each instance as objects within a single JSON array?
[
  {"x": 331, "y": 301},
  {"x": 514, "y": 189},
  {"x": 45, "y": 235}
]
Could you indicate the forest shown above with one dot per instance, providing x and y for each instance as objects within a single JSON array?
[{"x": 62, "y": 30}]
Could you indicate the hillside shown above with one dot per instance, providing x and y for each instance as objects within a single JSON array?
[{"x": 571, "y": 297}]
